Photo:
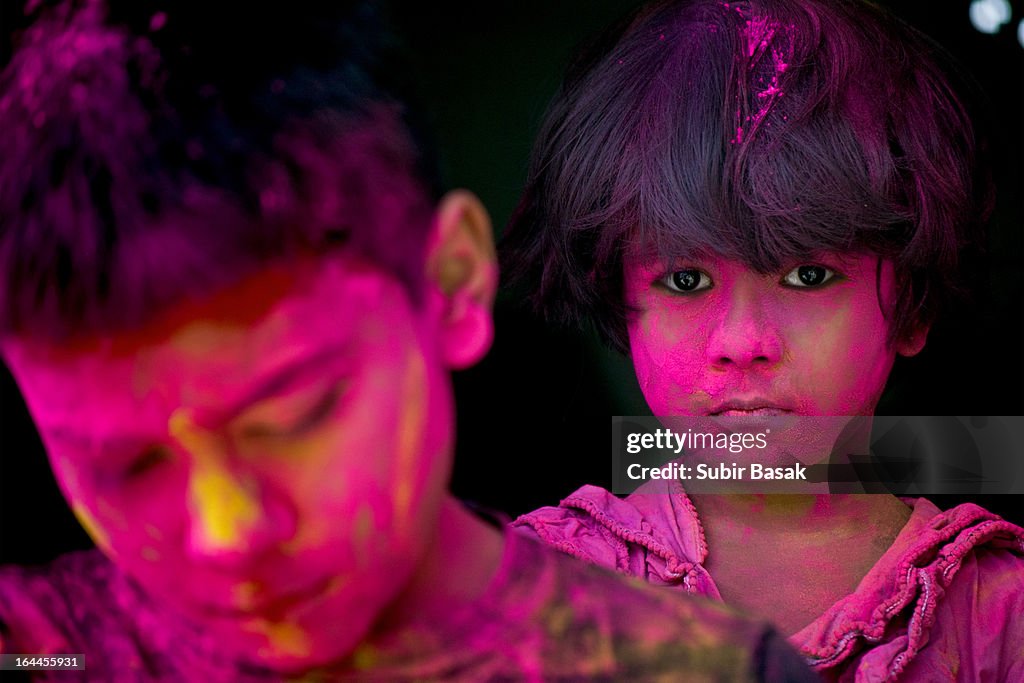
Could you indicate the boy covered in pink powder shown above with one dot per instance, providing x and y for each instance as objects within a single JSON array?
[
  {"x": 231, "y": 293},
  {"x": 763, "y": 204}
]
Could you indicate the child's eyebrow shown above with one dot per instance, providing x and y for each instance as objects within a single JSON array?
[
  {"x": 276, "y": 381},
  {"x": 94, "y": 447},
  {"x": 279, "y": 379}
]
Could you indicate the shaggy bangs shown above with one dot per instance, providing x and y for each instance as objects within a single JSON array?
[{"x": 764, "y": 132}]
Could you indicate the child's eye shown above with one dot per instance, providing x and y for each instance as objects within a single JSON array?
[
  {"x": 290, "y": 418},
  {"x": 148, "y": 460},
  {"x": 687, "y": 281},
  {"x": 808, "y": 276}
]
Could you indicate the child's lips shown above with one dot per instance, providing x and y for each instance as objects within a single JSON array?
[
  {"x": 750, "y": 406},
  {"x": 755, "y": 413},
  {"x": 271, "y": 607},
  {"x": 736, "y": 412}
]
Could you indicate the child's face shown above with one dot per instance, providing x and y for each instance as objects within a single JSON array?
[
  {"x": 270, "y": 461},
  {"x": 714, "y": 337}
]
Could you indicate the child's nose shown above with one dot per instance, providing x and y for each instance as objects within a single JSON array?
[
  {"x": 233, "y": 518},
  {"x": 746, "y": 336}
]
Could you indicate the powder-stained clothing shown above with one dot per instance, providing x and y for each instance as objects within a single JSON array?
[
  {"x": 543, "y": 617},
  {"x": 944, "y": 603}
]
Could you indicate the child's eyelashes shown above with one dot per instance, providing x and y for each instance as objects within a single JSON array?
[
  {"x": 148, "y": 460},
  {"x": 687, "y": 281},
  {"x": 809, "y": 276},
  {"x": 291, "y": 417},
  {"x": 803, "y": 276}
]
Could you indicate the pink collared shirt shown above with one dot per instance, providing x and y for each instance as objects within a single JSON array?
[{"x": 944, "y": 603}]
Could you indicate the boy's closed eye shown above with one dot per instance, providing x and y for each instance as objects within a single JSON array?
[
  {"x": 294, "y": 414},
  {"x": 147, "y": 461},
  {"x": 291, "y": 415}
]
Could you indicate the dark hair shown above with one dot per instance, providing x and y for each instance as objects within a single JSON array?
[
  {"x": 153, "y": 151},
  {"x": 762, "y": 131}
]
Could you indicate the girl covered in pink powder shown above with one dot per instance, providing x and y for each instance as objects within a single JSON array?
[{"x": 763, "y": 204}]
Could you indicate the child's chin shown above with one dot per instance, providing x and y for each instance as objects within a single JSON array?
[
  {"x": 289, "y": 654},
  {"x": 296, "y": 644}
]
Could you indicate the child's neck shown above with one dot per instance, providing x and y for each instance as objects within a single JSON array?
[
  {"x": 787, "y": 513},
  {"x": 788, "y": 558},
  {"x": 458, "y": 567},
  {"x": 461, "y": 560}
]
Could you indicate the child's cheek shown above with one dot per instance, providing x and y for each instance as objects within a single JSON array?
[
  {"x": 669, "y": 358},
  {"x": 848, "y": 360},
  {"x": 97, "y": 532},
  {"x": 109, "y": 528},
  {"x": 130, "y": 545},
  {"x": 83, "y": 505},
  {"x": 409, "y": 437}
]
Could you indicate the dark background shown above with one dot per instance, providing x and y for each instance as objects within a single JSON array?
[{"x": 534, "y": 415}]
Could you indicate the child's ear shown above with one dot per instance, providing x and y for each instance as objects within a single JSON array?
[
  {"x": 462, "y": 264},
  {"x": 912, "y": 342}
]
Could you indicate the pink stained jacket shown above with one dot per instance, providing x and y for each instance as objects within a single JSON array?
[{"x": 944, "y": 603}]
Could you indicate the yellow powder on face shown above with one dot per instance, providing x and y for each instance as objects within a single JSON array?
[
  {"x": 410, "y": 433},
  {"x": 184, "y": 430},
  {"x": 242, "y": 595},
  {"x": 221, "y": 503},
  {"x": 96, "y": 532},
  {"x": 362, "y": 527},
  {"x": 403, "y": 497},
  {"x": 225, "y": 510},
  {"x": 364, "y": 657},
  {"x": 283, "y": 638},
  {"x": 150, "y": 554},
  {"x": 337, "y": 584}
]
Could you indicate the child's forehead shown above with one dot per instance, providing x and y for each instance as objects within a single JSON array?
[
  {"x": 763, "y": 239},
  {"x": 275, "y": 330},
  {"x": 272, "y": 312},
  {"x": 673, "y": 254}
]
